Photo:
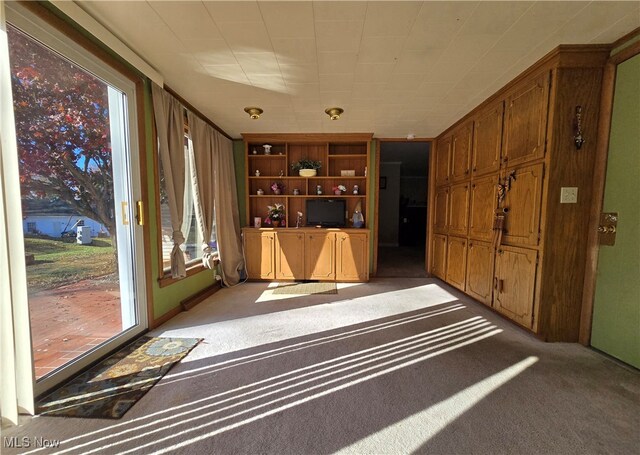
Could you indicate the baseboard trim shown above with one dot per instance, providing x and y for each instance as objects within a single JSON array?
[
  {"x": 165, "y": 317},
  {"x": 198, "y": 297}
]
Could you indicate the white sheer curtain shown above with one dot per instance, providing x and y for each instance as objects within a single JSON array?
[
  {"x": 226, "y": 203},
  {"x": 201, "y": 163},
  {"x": 169, "y": 116},
  {"x": 16, "y": 366}
]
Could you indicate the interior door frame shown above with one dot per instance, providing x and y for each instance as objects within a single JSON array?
[
  {"x": 600, "y": 174},
  {"x": 378, "y": 152},
  {"x": 79, "y": 42}
]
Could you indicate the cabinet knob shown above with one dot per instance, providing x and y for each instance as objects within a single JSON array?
[
  {"x": 467, "y": 171},
  {"x": 474, "y": 169},
  {"x": 471, "y": 246}
]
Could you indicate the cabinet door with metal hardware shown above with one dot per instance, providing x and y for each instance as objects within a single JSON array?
[{"x": 514, "y": 284}]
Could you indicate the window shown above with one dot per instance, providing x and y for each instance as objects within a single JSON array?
[
  {"x": 31, "y": 227},
  {"x": 191, "y": 248}
]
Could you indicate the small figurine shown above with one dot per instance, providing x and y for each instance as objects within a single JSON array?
[
  {"x": 260, "y": 192},
  {"x": 296, "y": 192},
  {"x": 257, "y": 173},
  {"x": 356, "y": 190},
  {"x": 255, "y": 152},
  {"x": 319, "y": 189},
  {"x": 281, "y": 173}
]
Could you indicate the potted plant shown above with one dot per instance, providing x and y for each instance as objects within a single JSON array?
[
  {"x": 275, "y": 214},
  {"x": 277, "y": 187},
  {"x": 306, "y": 167},
  {"x": 339, "y": 189}
]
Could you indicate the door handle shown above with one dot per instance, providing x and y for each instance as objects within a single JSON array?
[{"x": 140, "y": 213}]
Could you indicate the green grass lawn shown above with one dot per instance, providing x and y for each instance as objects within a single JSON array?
[{"x": 59, "y": 263}]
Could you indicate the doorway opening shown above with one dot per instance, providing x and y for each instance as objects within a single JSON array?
[{"x": 402, "y": 209}]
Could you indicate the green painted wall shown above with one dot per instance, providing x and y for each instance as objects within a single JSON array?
[
  {"x": 239, "y": 161},
  {"x": 616, "y": 317}
]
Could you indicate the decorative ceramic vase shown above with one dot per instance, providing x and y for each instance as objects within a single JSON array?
[
  {"x": 275, "y": 223},
  {"x": 260, "y": 192},
  {"x": 296, "y": 192},
  {"x": 276, "y": 191},
  {"x": 337, "y": 192},
  {"x": 308, "y": 172}
]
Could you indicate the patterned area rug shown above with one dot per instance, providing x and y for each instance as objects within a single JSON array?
[
  {"x": 306, "y": 288},
  {"x": 110, "y": 388}
]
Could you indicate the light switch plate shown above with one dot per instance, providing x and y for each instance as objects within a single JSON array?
[{"x": 569, "y": 195}]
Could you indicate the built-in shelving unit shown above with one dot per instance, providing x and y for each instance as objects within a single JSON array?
[{"x": 337, "y": 153}]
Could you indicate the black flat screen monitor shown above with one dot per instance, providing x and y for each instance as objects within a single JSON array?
[{"x": 326, "y": 212}]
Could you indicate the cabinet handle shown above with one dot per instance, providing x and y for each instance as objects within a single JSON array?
[
  {"x": 500, "y": 286},
  {"x": 474, "y": 169},
  {"x": 495, "y": 282},
  {"x": 471, "y": 246},
  {"x": 473, "y": 186}
]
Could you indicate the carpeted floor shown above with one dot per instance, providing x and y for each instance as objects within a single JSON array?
[{"x": 393, "y": 366}]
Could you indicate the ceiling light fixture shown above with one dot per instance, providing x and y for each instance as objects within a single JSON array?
[
  {"x": 334, "y": 112},
  {"x": 254, "y": 112}
]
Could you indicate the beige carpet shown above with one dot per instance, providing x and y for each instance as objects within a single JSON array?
[{"x": 393, "y": 366}]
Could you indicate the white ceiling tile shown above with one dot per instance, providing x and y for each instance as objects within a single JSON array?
[
  {"x": 612, "y": 33},
  {"x": 373, "y": 72},
  {"x": 336, "y": 62},
  {"x": 288, "y": 19},
  {"x": 295, "y": 51},
  {"x": 494, "y": 17},
  {"x": 367, "y": 90},
  {"x": 438, "y": 23},
  {"x": 299, "y": 74},
  {"x": 210, "y": 52},
  {"x": 411, "y": 62},
  {"x": 244, "y": 11},
  {"x": 380, "y": 49},
  {"x": 336, "y": 82},
  {"x": 339, "y": 10},
  {"x": 258, "y": 63},
  {"x": 246, "y": 37},
  {"x": 188, "y": 20},
  {"x": 273, "y": 82},
  {"x": 306, "y": 91},
  {"x": 232, "y": 73},
  {"x": 405, "y": 81},
  {"x": 338, "y": 36},
  {"x": 390, "y": 18}
]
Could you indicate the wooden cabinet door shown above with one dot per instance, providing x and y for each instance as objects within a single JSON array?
[
  {"x": 515, "y": 279},
  {"x": 439, "y": 256},
  {"x": 319, "y": 257},
  {"x": 442, "y": 163},
  {"x": 483, "y": 201},
  {"x": 461, "y": 152},
  {"x": 487, "y": 140},
  {"x": 259, "y": 248},
  {"x": 352, "y": 256},
  {"x": 457, "y": 262},
  {"x": 526, "y": 121},
  {"x": 459, "y": 209},
  {"x": 480, "y": 257},
  {"x": 523, "y": 200},
  {"x": 289, "y": 255},
  {"x": 440, "y": 211}
]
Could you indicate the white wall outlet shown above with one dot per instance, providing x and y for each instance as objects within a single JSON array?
[{"x": 569, "y": 195}]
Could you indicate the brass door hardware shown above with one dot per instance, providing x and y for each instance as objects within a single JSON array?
[
  {"x": 140, "y": 213},
  {"x": 608, "y": 228}
]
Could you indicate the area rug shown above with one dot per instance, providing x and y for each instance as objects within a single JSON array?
[
  {"x": 110, "y": 388},
  {"x": 306, "y": 288}
]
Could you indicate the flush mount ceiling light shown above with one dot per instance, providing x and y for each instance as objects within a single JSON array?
[
  {"x": 334, "y": 112},
  {"x": 254, "y": 112}
]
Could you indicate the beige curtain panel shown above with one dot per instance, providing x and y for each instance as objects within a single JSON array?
[
  {"x": 169, "y": 117},
  {"x": 227, "y": 217},
  {"x": 201, "y": 160}
]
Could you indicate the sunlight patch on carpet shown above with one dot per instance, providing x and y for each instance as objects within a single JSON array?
[{"x": 306, "y": 288}]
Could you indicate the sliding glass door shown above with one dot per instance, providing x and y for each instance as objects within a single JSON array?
[{"x": 79, "y": 184}]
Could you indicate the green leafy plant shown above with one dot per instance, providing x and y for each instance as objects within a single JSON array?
[{"x": 306, "y": 163}]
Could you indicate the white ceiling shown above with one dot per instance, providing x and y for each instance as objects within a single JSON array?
[{"x": 395, "y": 67}]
